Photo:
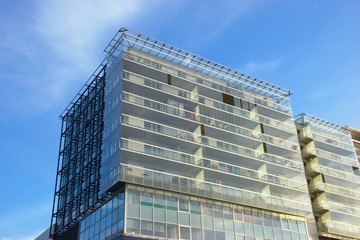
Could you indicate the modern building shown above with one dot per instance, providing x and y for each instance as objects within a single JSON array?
[
  {"x": 332, "y": 170},
  {"x": 355, "y": 135},
  {"x": 163, "y": 144}
]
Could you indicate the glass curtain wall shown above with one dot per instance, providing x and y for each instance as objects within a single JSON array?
[
  {"x": 167, "y": 215},
  {"x": 208, "y": 135}
]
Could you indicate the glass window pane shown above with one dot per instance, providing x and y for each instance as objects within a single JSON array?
[
  {"x": 184, "y": 218},
  {"x": 286, "y": 234},
  {"x": 185, "y": 232},
  {"x": 160, "y": 229},
  {"x": 209, "y": 234},
  {"x": 249, "y": 230},
  {"x": 239, "y": 227},
  {"x": 159, "y": 201},
  {"x": 196, "y": 233},
  {"x": 258, "y": 231},
  {"x": 303, "y": 236},
  {"x": 195, "y": 220},
  {"x": 269, "y": 232},
  {"x": 208, "y": 222},
  {"x": 278, "y": 234},
  {"x": 230, "y": 236},
  {"x": 285, "y": 224},
  {"x": 134, "y": 196},
  {"x": 159, "y": 215},
  {"x": 146, "y": 228},
  {"x": 293, "y": 226},
  {"x": 276, "y": 222},
  {"x": 108, "y": 232},
  {"x": 301, "y": 226},
  {"x": 295, "y": 236},
  {"x": 133, "y": 211},
  {"x": 206, "y": 209},
  {"x": 218, "y": 212},
  {"x": 219, "y": 235},
  {"x": 238, "y": 215},
  {"x": 184, "y": 205},
  {"x": 195, "y": 207},
  {"x": 171, "y": 203},
  {"x": 146, "y": 213},
  {"x": 172, "y": 231},
  {"x": 219, "y": 224},
  {"x": 172, "y": 216},
  {"x": 146, "y": 199},
  {"x": 229, "y": 226},
  {"x": 133, "y": 226},
  {"x": 267, "y": 222},
  {"x": 102, "y": 224},
  {"x": 120, "y": 224},
  {"x": 240, "y": 237},
  {"x": 247, "y": 217},
  {"x": 228, "y": 213},
  {"x": 257, "y": 220}
]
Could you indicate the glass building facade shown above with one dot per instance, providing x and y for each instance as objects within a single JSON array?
[
  {"x": 332, "y": 169},
  {"x": 170, "y": 145}
]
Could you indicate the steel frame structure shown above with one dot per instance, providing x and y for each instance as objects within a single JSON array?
[{"x": 78, "y": 171}]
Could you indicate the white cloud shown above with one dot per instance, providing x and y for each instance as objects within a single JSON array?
[
  {"x": 260, "y": 67},
  {"x": 72, "y": 28},
  {"x": 346, "y": 88},
  {"x": 213, "y": 18},
  {"x": 59, "y": 48},
  {"x": 71, "y": 31}
]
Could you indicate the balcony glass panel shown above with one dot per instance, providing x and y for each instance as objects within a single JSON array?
[{"x": 206, "y": 189}]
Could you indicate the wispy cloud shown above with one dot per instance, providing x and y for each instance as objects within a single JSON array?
[
  {"x": 72, "y": 28},
  {"x": 337, "y": 88},
  {"x": 59, "y": 49},
  {"x": 212, "y": 19},
  {"x": 260, "y": 67},
  {"x": 218, "y": 16}
]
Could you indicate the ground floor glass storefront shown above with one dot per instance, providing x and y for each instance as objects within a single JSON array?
[{"x": 176, "y": 216}]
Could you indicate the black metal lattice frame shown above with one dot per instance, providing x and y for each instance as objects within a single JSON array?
[{"x": 78, "y": 172}]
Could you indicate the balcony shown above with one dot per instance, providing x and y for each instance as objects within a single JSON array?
[
  {"x": 312, "y": 152},
  {"x": 312, "y": 170},
  {"x": 321, "y": 207},
  {"x": 205, "y": 163},
  {"x": 332, "y": 142},
  {"x": 316, "y": 188},
  {"x": 325, "y": 187},
  {"x": 326, "y": 205},
  {"x": 281, "y": 106},
  {"x": 153, "y": 178},
  {"x": 305, "y": 136},
  {"x": 210, "y": 142},
  {"x": 339, "y": 228},
  {"x": 309, "y": 153}
]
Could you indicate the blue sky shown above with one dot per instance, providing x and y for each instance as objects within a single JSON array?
[{"x": 48, "y": 49}]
